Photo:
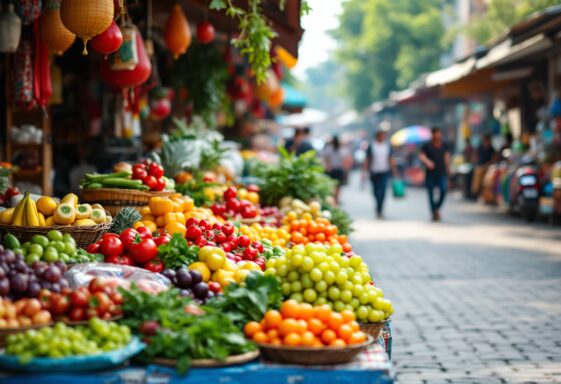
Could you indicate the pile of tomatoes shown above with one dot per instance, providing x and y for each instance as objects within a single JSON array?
[
  {"x": 233, "y": 206},
  {"x": 310, "y": 230},
  {"x": 132, "y": 247},
  {"x": 151, "y": 174}
]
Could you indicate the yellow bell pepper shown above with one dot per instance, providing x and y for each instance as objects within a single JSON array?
[{"x": 160, "y": 206}]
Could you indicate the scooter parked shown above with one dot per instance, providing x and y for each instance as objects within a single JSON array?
[{"x": 525, "y": 190}]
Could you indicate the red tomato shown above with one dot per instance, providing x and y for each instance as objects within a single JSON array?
[
  {"x": 111, "y": 246},
  {"x": 227, "y": 247},
  {"x": 193, "y": 232},
  {"x": 144, "y": 233},
  {"x": 228, "y": 229},
  {"x": 121, "y": 260},
  {"x": 200, "y": 242},
  {"x": 156, "y": 170},
  {"x": 139, "y": 174},
  {"x": 250, "y": 253},
  {"x": 205, "y": 32},
  {"x": 154, "y": 265},
  {"x": 128, "y": 236},
  {"x": 77, "y": 314},
  {"x": 45, "y": 298},
  {"x": 230, "y": 193},
  {"x": 59, "y": 304},
  {"x": 162, "y": 239},
  {"x": 97, "y": 285},
  {"x": 144, "y": 251},
  {"x": 244, "y": 241},
  {"x": 116, "y": 297},
  {"x": 221, "y": 238},
  {"x": 108, "y": 234},
  {"x": 93, "y": 248},
  {"x": 115, "y": 310},
  {"x": 215, "y": 287},
  {"x": 259, "y": 246},
  {"x": 160, "y": 184},
  {"x": 80, "y": 298},
  {"x": 233, "y": 204},
  {"x": 101, "y": 302},
  {"x": 204, "y": 224},
  {"x": 150, "y": 182}
]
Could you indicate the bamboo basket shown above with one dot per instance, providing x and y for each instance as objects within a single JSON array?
[
  {"x": 313, "y": 356},
  {"x": 82, "y": 235},
  {"x": 113, "y": 199},
  {"x": 373, "y": 329},
  {"x": 211, "y": 363}
]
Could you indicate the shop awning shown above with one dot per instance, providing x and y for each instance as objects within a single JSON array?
[
  {"x": 292, "y": 97},
  {"x": 451, "y": 73},
  {"x": 507, "y": 51}
]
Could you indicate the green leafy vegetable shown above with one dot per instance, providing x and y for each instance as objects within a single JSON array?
[
  {"x": 177, "y": 253},
  {"x": 339, "y": 218},
  {"x": 243, "y": 303}
]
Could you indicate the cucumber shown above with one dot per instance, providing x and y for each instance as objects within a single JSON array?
[
  {"x": 96, "y": 177},
  {"x": 122, "y": 183}
]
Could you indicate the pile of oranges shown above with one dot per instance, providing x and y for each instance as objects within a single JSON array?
[
  {"x": 258, "y": 232},
  {"x": 302, "y": 325},
  {"x": 308, "y": 229}
]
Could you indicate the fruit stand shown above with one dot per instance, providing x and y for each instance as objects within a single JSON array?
[{"x": 193, "y": 260}]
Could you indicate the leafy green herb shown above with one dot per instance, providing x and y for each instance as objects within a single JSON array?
[
  {"x": 243, "y": 303},
  {"x": 177, "y": 253}
]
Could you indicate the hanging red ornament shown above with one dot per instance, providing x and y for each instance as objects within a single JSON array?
[
  {"x": 205, "y": 32},
  {"x": 160, "y": 109},
  {"x": 108, "y": 41}
]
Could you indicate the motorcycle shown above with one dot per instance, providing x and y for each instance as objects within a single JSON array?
[{"x": 525, "y": 190}]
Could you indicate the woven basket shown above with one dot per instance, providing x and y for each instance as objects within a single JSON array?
[
  {"x": 87, "y": 18},
  {"x": 313, "y": 356},
  {"x": 82, "y": 235},
  {"x": 53, "y": 32},
  {"x": 211, "y": 363},
  {"x": 113, "y": 199},
  {"x": 5, "y": 332},
  {"x": 373, "y": 329}
]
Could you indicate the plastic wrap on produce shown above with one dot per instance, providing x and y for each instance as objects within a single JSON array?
[{"x": 115, "y": 275}]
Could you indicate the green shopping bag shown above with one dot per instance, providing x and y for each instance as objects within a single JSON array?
[{"x": 398, "y": 188}]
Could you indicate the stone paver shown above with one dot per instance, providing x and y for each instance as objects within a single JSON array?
[{"x": 477, "y": 297}]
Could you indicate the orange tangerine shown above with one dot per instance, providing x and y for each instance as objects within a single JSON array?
[
  {"x": 302, "y": 326},
  {"x": 355, "y": 326},
  {"x": 345, "y": 332},
  {"x": 306, "y": 311},
  {"x": 288, "y": 326},
  {"x": 272, "y": 334},
  {"x": 335, "y": 321},
  {"x": 290, "y": 309},
  {"x": 348, "y": 315},
  {"x": 260, "y": 337},
  {"x": 316, "y": 326},
  {"x": 251, "y": 328},
  {"x": 338, "y": 343},
  {"x": 357, "y": 338},
  {"x": 292, "y": 339},
  {"x": 322, "y": 312},
  {"x": 273, "y": 319},
  {"x": 328, "y": 336},
  {"x": 308, "y": 339},
  {"x": 276, "y": 341}
]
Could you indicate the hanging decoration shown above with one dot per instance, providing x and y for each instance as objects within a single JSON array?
[
  {"x": 53, "y": 32},
  {"x": 205, "y": 32},
  {"x": 268, "y": 88},
  {"x": 126, "y": 78},
  {"x": 28, "y": 10},
  {"x": 87, "y": 18},
  {"x": 177, "y": 32},
  {"x": 23, "y": 76},
  {"x": 42, "y": 86},
  {"x": 126, "y": 58},
  {"x": 10, "y": 29},
  {"x": 108, "y": 41}
]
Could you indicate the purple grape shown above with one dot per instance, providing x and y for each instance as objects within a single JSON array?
[
  {"x": 9, "y": 256},
  {"x": 200, "y": 290},
  {"x": 64, "y": 283},
  {"x": 2, "y": 272},
  {"x": 19, "y": 257},
  {"x": 46, "y": 285},
  {"x": 196, "y": 277},
  {"x": 18, "y": 283},
  {"x": 169, "y": 273},
  {"x": 33, "y": 289},
  {"x": 52, "y": 274},
  {"x": 184, "y": 279},
  {"x": 184, "y": 292},
  {"x": 55, "y": 287},
  {"x": 61, "y": 265},
  {"x": 4, "y": 286},
  {"x": 20, "y": 266}
]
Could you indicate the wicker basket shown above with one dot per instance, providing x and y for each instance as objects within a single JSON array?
[
  {"x": 113, "y": 199},
  {"x": 313, "y": 356},
  {"x": 82, "y": 235},
  {"x": 373, "y": 329},
  {"x": 211, "y": 363},
  {"x": 5, "y": 332}
]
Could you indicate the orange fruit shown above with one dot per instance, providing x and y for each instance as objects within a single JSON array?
[
  {"x": 348, "y": 315},
  {"x": 251, "y": 328},
  {"x": 317, "y": 343},
  {"x": 316, "y": 326},
  {"x": 273, "y": 319},
  {"x": 347, "y": 247},
  {"x": 355, "y": 326},
  {"x": 345, "y": 332},
  {"x": 263, "y": 324},
  {"x": 335, "y": 321},
  {"x": 322, "y": 312},
  {"x": 292, "y": 339},
  {"x": 357, "y": 338},
  {"x": 320, "y": 237},
  {"x": 338, "y": 343},
  {"x": 290, "y": 309},
  {"x": 272, "y": 334},
  {"x": 276, "y": 341},
  {"x": 288, "y": 326},
  {"x": 302, "y": 326},
  {"x": 260, "y": 337},
  {"x": 306, "y": 311},
  {"x": 328, "y": 336},
  {"x": 308, "y": 339}
]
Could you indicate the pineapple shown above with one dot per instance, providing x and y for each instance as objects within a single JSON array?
[{"x": 124, "y": 219}]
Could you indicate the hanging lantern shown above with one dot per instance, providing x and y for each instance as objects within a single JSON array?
[
  {"x": 53, "y": 32},
  {"x": 87, "y": 18},
  {"x": 177, "y": 32},
  {"x": 276, "y": 98},
  {"x": 10, "y": 29},
  {"x": 205, "y": 32},
  {"x": 109, "y": 41},
  {"x": 28, "y": 10},
  {"x": 128, "y": 78}
]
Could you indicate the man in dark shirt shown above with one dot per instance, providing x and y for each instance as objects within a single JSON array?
[
  {"x": 486, "y": 155},
  {"x": 436, "y": 157}
]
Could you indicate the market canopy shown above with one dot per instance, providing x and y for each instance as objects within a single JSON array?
[{"x": 292, "y": 97}]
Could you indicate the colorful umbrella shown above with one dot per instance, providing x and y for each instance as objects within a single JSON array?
[{"x": 414, "y": 134}]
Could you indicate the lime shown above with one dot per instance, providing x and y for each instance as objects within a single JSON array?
[
  {"x": 59, "y": 245},
  {"x": 43, "y": 241},
  {"x": 50, "y": 254}
]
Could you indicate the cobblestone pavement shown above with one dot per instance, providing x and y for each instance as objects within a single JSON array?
[{"x": 477, "y": 296}]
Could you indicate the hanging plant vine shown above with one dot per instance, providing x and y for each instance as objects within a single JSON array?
[{"x": 256, "y": 34}]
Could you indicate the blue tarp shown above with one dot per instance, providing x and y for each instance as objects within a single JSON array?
[{"x": 292, "y": 97}]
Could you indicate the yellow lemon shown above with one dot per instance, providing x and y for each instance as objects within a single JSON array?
[{"x": 46, "y": 205}]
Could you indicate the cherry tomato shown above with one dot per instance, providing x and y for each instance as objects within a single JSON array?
[
  {"x": 80, "y": 297},
  {"x": 108, "y": 234},
  {"x": 215, "y": 287},
  {"x": 144, "y": 251},
  {"x": 162, "y": 239},
  {"x": 116, "y": 297},
  {"x": 244, "y": 241},
  {"x": 97, "y": 285},
  {"x": 204, "y": 224},
  {"x": 111, "y": 246},
  {"x": 139, "y": 174},
  {"x": 120, "y": 259},
  {"x": 101, "y": 302},
  {"x": 128, "y": 236},
  {"x": 193, "y": 233},
  {"x": 154, "y": 265},
  {"x": 156, "y": 170},
  {"x": 150, "y": 182},
  {"x": 93, "y": 248},
  {"x": 160, "y": 184},
  {"x": 233, "y": 204},
  {"x": 77, "y": 314},
  {"x": 192, "y": 221},
  {"x": 250, "y": 253},
  {"x": 144, "y": 233},
  {"x": 205, "y": 32},
  {"x": 228, "y": 229},
  {"x": 221, "y": 238},
  {"x": 200, "y": 242},
  {"x": 259, "y": 246},
  {"x": 227, "y": 247},
  {"x": 230, "y": 193}
]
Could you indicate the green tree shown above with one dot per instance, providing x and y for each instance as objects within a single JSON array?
[
  {"x": 500, "y": 15},
  {"x": 383, "y": 45}
]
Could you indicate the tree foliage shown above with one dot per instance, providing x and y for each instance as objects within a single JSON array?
[
  {"x": 386, "y": 44},
  {"x": 500, "y": 15}
]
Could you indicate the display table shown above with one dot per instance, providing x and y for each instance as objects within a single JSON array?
[{"x": 370, "y": 367}]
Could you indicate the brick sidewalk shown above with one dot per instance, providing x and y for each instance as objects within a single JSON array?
[{"x": 477, "y": 297}]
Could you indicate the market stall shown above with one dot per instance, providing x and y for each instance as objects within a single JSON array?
[{"x": 185, "y": 259}]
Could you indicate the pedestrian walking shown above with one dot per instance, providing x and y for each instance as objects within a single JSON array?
[
  {"x": 435, "y": 155},
  {"x": 378, "y": 164},
  {"x": 337, "y": 163}
]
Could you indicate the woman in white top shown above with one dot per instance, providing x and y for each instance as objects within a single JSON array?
[
  {"x": 379, "y": 162},
  {"x": 336, "y": 161}
]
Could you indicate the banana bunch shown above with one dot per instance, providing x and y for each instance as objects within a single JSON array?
[{"x": 26, "y": 213}]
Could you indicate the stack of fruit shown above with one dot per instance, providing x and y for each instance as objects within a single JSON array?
[
  {"x": 310, "y": 230},
  {"x": 151, "y": 174},
  {"x": 257, "y": 232},
  {"x": 190, "y": 282},
  {"x": 53, "y": 247},
  {"x": 145, "y": 176},
  {"x": 22, "y": 313},
  {"x": 236, "y": 207},
  {"x": 302, "y": 325},
  {"x": 47, "y": 212},
  {"x": 132, "y": 247},
  {"x": 320, "y": 275},
  {"x": 169, "y": 213},
  {"x": 61, "y": 340}
]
